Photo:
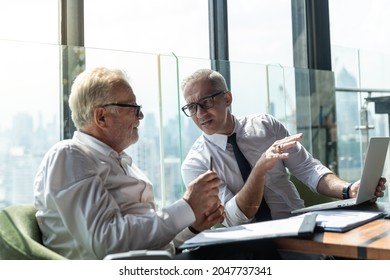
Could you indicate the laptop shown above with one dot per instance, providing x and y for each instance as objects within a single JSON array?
[{"x": 372, "y": 171}]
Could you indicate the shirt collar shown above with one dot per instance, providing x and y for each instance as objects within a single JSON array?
[
  {"x": 98, "y": 145},
  {"x": 221, "y": 139}
]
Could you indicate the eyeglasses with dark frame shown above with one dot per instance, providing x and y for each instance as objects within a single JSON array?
[
  {"x": 204, "y": 103},
  {"x": 137, "y": 107}
]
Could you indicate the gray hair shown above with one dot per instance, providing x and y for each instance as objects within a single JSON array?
[
  {"x": 214, "y": 77},
  {"x": 92, "y": 89}
]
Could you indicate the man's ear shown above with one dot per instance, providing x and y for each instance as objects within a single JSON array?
[
  {"x": 99, "y": 117},
  {"x": 228, "y": 98}
]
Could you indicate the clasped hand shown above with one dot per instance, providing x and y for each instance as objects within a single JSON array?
[{"x": 202, "y": 196}]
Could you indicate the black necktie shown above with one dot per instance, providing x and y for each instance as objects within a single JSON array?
[{"x": 264, "y": 213}]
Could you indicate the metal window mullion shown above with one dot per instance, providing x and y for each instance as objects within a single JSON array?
[
  {"x": 218, "y": 34},
  {"x": 72, "y": 56}
]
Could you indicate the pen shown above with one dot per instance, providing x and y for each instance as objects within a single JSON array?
[{"x": 211, "y": 163}]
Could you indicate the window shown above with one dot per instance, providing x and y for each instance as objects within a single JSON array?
[
  {"x": 148, "y": 26},
  {"x": 260, "y": 31},
  {"x": 158, "y": 43},
  {"x": 150, "y": 40},
  {"x": 360, "y": 60},
  {"x": 261, "y": 55},
  {"x": 30, "y": 87}
]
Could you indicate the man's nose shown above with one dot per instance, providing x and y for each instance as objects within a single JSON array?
[{"x": 200, "y": 111}]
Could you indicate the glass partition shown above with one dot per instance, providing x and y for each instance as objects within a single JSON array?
[
  {"x": 361, "y": 65},
  {"x": 31, "y": 118},
  {"x": 361, "y": 78},
  {"x": 30, "y": 114}
]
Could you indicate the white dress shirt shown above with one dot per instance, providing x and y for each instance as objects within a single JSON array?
[
  {"x": 255, "y": 134},
  {"x": 92, "y": 202}
]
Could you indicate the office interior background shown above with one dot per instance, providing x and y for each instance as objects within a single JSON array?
[{"x": 321, "y": 67}]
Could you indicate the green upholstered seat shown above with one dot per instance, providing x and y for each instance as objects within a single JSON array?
[
  {"x": 20, "y": 236},
  {"x": 21, "y": 239}
]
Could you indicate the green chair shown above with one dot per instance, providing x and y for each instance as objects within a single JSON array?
[
  {"x": 20, "y": 236},
  {"x": 21, "y": 239}
]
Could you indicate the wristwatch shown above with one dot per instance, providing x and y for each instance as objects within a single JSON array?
[
  {"x": 346, "y": 188},
  {"x": 193, "y": 230}
]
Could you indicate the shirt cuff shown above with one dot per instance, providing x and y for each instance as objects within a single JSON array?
[
  {"x": 182, "y": 214},
  {"x": 233, "y": 214}
]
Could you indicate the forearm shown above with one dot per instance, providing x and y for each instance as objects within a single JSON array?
[
  {"x": 331, "y": 185},
  {"x": 251, "y": 195}
]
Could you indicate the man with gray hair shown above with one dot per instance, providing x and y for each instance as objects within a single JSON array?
[
  {"x": 253, "y": 156},
  {"x": 91, "y": 198},
  {"x": 265, "y": 191}
]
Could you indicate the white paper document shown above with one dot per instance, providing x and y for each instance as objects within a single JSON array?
[{"x": 303, "y": 225}]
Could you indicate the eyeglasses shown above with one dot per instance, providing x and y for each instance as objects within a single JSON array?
[
  {"x": 137, "y": 107},
  {"x": 204, "y": 103}
]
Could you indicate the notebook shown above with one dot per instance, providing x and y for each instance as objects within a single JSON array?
[{"x": 372, "y": 171}]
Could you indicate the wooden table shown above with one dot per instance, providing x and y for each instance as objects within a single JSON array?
[{"x": 369, "y": 241}]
